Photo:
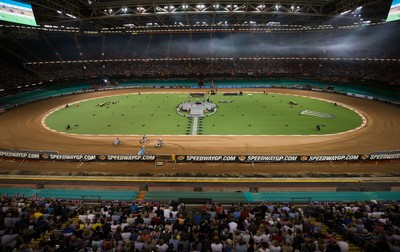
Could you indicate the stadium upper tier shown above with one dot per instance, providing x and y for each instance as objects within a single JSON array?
[
  {"x": 337, "y": 54},
  {"x": 366, "y": 41},
  {"x": 340, "y": 71},
  {"x": 377, "y": 72}
]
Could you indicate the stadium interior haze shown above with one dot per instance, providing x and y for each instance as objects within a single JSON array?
[
  {"x": 109, "y": 47},
  {"x": 58, "y": 53}
]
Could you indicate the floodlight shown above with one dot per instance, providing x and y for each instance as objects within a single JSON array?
[
  {"x": 200, "y": 6},
  {"x": 345, "y": 12},
  {"x": 71, "y": 16}
]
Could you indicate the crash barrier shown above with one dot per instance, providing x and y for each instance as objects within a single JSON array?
[{"x": 55, "y": 156}]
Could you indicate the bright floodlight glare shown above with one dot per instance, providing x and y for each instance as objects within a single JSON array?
[
  {"x": 200, "y": 6},
  {"x": 345, "y": 12},
  {"x": 71, "y": 16}
]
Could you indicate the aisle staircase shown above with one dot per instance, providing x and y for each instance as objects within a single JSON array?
[
  {"x": 352, "y": 247},
  {"x": 141, "y": 196}
]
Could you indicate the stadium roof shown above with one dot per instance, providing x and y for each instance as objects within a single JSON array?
[{"x": 184, "y": 15}]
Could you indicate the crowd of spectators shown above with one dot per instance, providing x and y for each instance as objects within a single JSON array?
[
  {"x": 35, "y": 224},
  {"x": 287, "y": 54},
  {"x": 12, "y": 76},
  {"x": 250, "y": 68},
  {"x": 15, "y": 80}
]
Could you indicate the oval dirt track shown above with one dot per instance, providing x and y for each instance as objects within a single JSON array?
[{"x": 22, "y": 129}]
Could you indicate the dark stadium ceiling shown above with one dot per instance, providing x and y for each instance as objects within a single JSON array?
[{"x": 183, "y": 15}]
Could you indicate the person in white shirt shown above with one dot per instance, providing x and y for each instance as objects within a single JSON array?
[
  {"x": 343, "y": 245},
  {"x": 167, "y": 211},
  {"x": 275, "y": 247},
  {"x": 114, "y": 226},
  {"x": 161, "y": 246},
  {"x": 139, "y": 244},
  {"x": 82, "y": 216},
  {"x": 216, "y": 245},
  {"x": 232, "y": 226},
  {"x": 91, "y": 216}
]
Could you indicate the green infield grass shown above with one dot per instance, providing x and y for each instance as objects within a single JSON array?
[{"x": 247, "y": 114}]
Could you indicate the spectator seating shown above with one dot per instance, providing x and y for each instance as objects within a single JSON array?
[{"x": 47, "y": 224}]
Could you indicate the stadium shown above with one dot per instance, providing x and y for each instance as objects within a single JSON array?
[{"x": 290, "y": 102}]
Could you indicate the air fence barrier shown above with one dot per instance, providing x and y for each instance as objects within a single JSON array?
[{"x": 55, "y": 156}]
